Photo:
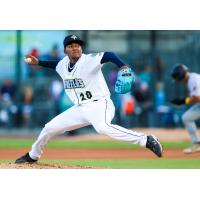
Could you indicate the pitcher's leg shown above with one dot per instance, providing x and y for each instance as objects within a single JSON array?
[
  {"x": 100, "y": 114},
  {"x": 71, "y": 119},
  {"x": 100, "y": 117},
  {"x": 120, "y": 133}
]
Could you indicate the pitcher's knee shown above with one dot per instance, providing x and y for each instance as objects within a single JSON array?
[
  {"x": 103, "y": 129},
  {"x": 49, "y": 129}
]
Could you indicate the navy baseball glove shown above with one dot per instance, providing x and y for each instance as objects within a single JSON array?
[{"x": 125, "y": 79}]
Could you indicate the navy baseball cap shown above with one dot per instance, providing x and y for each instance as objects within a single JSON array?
[{"x": 72, "y": 39}]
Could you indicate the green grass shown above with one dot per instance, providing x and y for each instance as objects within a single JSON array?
[
  {"x": 107, "y": 163},
  {"x": 129, "y": 163},
  {"x": 134, "y": 164},
  {"x": 64, "y": 143}
]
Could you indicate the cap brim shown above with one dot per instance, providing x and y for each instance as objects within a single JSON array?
[{"x": 76, "y": 42}]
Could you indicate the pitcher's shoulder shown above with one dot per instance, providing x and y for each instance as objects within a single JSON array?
[{"x": 92, "y": 55}]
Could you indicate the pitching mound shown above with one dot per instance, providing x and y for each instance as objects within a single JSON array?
[{"x": 41, "y": 166}]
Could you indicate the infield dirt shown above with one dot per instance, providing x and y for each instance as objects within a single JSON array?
[{"x": 101, "y": 153}]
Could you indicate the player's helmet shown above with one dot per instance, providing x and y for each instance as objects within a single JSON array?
[
  {"x": 72, "y": 39},
  {"x": 178, "y": 72}
]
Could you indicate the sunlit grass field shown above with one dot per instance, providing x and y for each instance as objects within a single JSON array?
[{"x": 160, "y": 163}]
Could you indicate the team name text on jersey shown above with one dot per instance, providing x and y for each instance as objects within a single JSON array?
[{"x": 73, "y": 83}]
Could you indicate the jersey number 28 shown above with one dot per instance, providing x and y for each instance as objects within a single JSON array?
[{"x": 86, "y": 96}]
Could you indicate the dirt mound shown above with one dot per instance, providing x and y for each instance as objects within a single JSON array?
[{"x": 41, "y": 166}]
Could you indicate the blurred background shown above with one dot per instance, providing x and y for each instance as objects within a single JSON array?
[{"x": 30, "y": 97}]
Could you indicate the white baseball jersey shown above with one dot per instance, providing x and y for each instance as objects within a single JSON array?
[
  {"x": 194, "y": 84},
  {"x": 85, "y": 82}
]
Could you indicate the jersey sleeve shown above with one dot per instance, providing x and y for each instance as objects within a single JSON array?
[
  {"x": 48, "y": 64},
  {"x": 112, "y": 57},
  {"x": 93, "y": 61},
  {"x": 97, "y": 57},
  {"x": 195, "y": 88}
]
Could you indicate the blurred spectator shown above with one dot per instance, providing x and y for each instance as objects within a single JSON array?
[
  {"x": 142, "y": 95},
  {"x": 33, "y": 71},
  {"x": 27, "y": 105},
  {"x": 160, "y": 97},
  {"x": 8, "y": 88},
  {"x": 146, "y": 75},
  {"x": 34, "y": 52},
  {"x": 43, "y": 103},
  {"x": 164, "y": 112},
  {"x": 128, "y": 104},
  {"x": 8, "y": 111},
  {"x": 53, "y": 54},
  {"x": 7, "y": 107},
  {"x": 5, "y": 104},
  {"x": 127, "y": 109},
  {"x": 56, "y": 89}
]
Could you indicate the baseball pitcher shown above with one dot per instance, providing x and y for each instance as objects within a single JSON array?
[{"x": 85, "y": 85}]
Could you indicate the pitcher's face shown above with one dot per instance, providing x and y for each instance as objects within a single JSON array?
[{"x": 74, "y": 51}]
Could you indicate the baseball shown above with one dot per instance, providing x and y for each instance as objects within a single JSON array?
[{"x": 28, "y": 60}]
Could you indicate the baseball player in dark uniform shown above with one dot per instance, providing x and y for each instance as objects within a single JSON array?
[
  {"x": 85, "y": 85},
  {"x": 181, "y": 74}
]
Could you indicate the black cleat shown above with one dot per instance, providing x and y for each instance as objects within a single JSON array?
[
  {"x": 154, "y": 145},
  {"x": 25, "y": 159}
]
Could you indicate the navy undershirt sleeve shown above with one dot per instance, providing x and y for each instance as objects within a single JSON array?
[
  {"x": 112, "y": 57},
  {"x": 49, "y": 64},
  {"x": 107, "y": 57}
]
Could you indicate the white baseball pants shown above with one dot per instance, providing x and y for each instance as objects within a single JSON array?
[
  {"x": 97, "y": 113},
  {"x": 189, "y": 118}
]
